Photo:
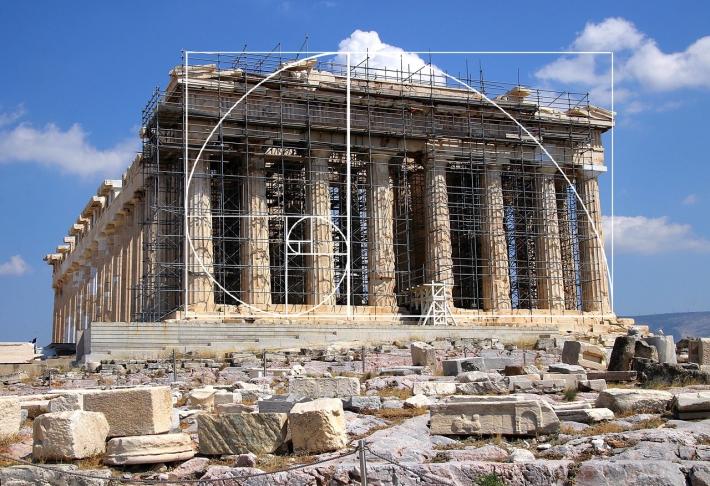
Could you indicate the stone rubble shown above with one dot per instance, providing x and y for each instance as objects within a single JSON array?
[{"x": 453, "y": 409}]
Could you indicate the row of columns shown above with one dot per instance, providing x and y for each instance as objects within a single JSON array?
[
  {"x": 320, "y": 281},
  {"x": 101, "y": 285}
]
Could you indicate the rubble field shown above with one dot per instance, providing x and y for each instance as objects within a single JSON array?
[{"x": 464, "y": 412}]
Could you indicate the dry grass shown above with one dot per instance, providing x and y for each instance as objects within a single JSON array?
[
  {"x": 370, "y": 432},
  {"x": 93, "y": 462},
  {"x": 394, "y": 392},
  {"x": 368, "y": 375},
  {"x": 601, "y": 428},
  {"x": 399, "y": 415},
  {"x": 272, "y": 463},
  {"x": 7, "y": 441}
]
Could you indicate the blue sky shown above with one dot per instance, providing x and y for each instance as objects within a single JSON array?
[{"x": 76, "y": 75}]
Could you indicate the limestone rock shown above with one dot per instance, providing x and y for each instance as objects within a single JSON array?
[
  {"x": 359, "y": 403},
  {"x": 665, "y": 346},
  {"x": 324, "y": 387},
  {"x": 586, "y": 416},
  {"x": 233, "y": 408},
  {"x": 67, "y": 403},
  {"x": 35, "y": 408},
  {"x": 622, "y": 400},
  {"x": 699, "y": 351},
  {"x": 622, "y": 354},
  {"x": 644, "y": 350},
  {"x": 190, "y": 468},
  {"x": 433, "y": 388},
  {"x": 10, "y": 416},
  {"x": 689, "y": 406},
  {"x": 565, "y": 368},
  {"x": 202, "y": 398},
  {"x": 454, "y": 367},
  {"x": 318, "y": 426},
  {"x": 417, "y": 401},
  {"x": 149, "y": 449},
  {"x": 512, "y": 415},
  {"x": 521, "y": 455},
  {"x": 591, "y": 385},
  {"x": 596, "y": 472},
  {"x": 239, "y": 433},
  {"x": 54, "y": 476},
  {"x": 584, "y": 354},
  {"x": 69, "y": 435},
  {"x": 423, "y": 354},
  {"x": 133, "y": 411}
]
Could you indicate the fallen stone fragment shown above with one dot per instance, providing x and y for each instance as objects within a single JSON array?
[
  {"x": 190, "y": 468},
  {"x": 233, "y": 408},
  {"x": 612, "y": 376},
  {"x": 133, "y": 411},
  {"x": 260, "y": 433},
  {"x": 35, "y": 408},
  {"x": 69, "y": 435},
  {"x": 512, "y": 415},
  {"x": 417, "y": 401},
  {"x": 279, "y": 403},
  {"x": 521, "y": 455},
  {"x": 433, "y": 388},
  {"x": 149, "y": 449},
  {"x": 318, "y": 426},
  {"x": 665, "y": 347},
  {"x": 454, "y": 367},
  {"x": 423, "y": 354},
  {"x": 690, "y": 406},
  {"x": 644, "y": 350},
  {"x": 622, "y": 400},
  {"x": 585, "y": 355},
  {"x": 591, "y": 385},
  {"x": 324, "y": 387},
  {"x": 359, "y": 403},
  {"x": 202, "y": 398},
  {"x": 699, "y": 351},
  {"x": 586, "y": 416},
  {"x": 56, "y": 475},
  {"x": 10, "y": 416},
  {"x": 66, "y": 403},
  {"x": 564, "y": 368},
  {"x": 622, "y": 354}
]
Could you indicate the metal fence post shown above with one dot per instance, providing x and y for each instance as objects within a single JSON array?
[
  {"x": 363, "y": 359},
  {"x": 174, "y": 367},
  {"x": 264, "y": 361},
  {"x": 363, "y": 462}
]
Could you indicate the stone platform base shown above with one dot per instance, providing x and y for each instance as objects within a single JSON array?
[{"x": 150, "y": 340}]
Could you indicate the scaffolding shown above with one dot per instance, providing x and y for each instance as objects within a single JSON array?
[{"x": 268, "y": 198}]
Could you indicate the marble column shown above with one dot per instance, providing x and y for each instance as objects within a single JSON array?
[
  {"x": 595, "y": 286},
  {"x": 200, "y": 287},
  {"x": 320, "y": 274},
  {"x": 496, "y": 278},
  {"x": 254, "y": 251},
  {"x": 439, "y": 263},
  {"x": 380, "y": 233},
  {"x": 550, "y": 280}
]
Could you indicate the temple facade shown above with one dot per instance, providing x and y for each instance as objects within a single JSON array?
[{"x": 291, "y": 192}]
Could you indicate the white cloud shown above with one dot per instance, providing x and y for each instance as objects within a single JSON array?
[
  {"x": 11, "y": 117},
  {"x": 15, "y": 266},
  {"x": 612, "y": 34},
  {"x": 69, "y": 150},
  {"x": 690, "y": 199},
  {"x": 640, "y": 64},
  {"x": 651, "y": 236},
  {"x": 381, "y": 55}
]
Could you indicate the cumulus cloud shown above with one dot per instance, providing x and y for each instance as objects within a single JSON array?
[
  {"x": 367, "y": 45},
  {"x": 14, "y": 267},
  {"x": 651, "y": 236},
  {"x": 69, "y": 150},
  {"x": 639, "y": 63}
]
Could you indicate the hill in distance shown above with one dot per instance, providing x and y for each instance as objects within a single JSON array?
[{"x": 679, "y": 324}]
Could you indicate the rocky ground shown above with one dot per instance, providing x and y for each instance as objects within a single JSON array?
[{"x": 520, "y": 417}]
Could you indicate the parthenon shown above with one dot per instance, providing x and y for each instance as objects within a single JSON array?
[{"x": 294, "y": 191}]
